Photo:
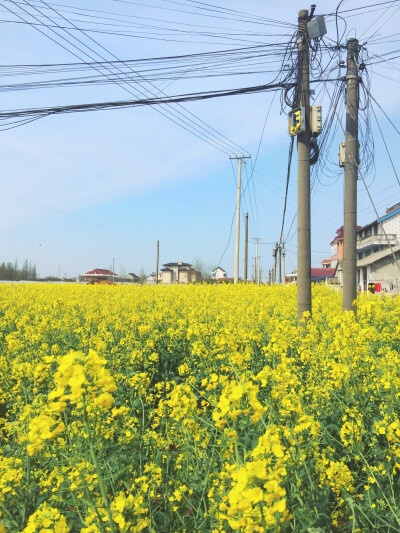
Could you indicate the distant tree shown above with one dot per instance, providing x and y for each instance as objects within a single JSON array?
[
  {"x": 10, "y": 271},
  {"x": 142, "y": 276},
  {"x": 24, "y": 274},
  {"x": 200, "y": 266}
]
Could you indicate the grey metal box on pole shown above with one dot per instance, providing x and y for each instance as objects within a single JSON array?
[{"x": 316, "y": 28}]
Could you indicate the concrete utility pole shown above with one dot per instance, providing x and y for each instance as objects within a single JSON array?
[
  {"x": 273, "y": 280},
  {"x": 283, "y": 259},
  {"x": 303, "y": 174},
  {"x": 158, "y": 255},
  {"x": 350, "y": 178},
  {"x": 280, "y": 263},
  {"x": 238, "y": 197},
  {"x": 246, "y": 245},
  {"x": 257, "y": 264}
]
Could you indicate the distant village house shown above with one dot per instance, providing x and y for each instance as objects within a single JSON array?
[
  {"x": 103, "y": 275},
  {"x": 218, "y": 273},
  {"x": 179, "y": 272},
  {"x": 378, "y": 253}
]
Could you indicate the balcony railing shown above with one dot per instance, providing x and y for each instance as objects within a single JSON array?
[{"x": 376, "y": 240}]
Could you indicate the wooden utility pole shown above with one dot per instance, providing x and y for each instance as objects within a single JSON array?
[
  {"x": 350, "y": 178},
  {"x": 238, "y": 197},
  {"x": 158, "y": 255},
  {"x": 303, "y": 174},
  {"x": 246, "y": 245}
]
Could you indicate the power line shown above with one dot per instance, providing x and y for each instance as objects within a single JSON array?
[
  {"x": 194, "y": 129},
  {"x": 76, "y": 217},
  {"x": 249, "y": 21},
  {"x": 218, "y": 142},
  {"x": 380, "y": 107},
  {"x": 386, "y": 146},
  {"x": 287, "y": 187},
  {"x": 77, "y": 108}
]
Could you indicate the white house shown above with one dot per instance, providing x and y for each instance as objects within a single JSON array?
[
  {"x": 380, "y": 269},
  {"x": 218, "y": 273},
  {"x": 151, "y": 279},
  {"x": 377, "y": 242}
]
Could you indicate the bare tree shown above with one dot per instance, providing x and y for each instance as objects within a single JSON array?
[
  {"x": 142, "y": 276},
  {"x": 200, "y": 266}
]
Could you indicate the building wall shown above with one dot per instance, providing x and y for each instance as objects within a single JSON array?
[
  {"x": 184, "y": 276},
  {"x": 337, "y": 252},
  {"x": 340, "y": 250},
  {"x": 219, "y": 273},
  {"x": 384, "y": 271},
  {"x": 195, "y": 276},
  {"x": 392, "y": 225},
  {"x": 166, "y": 277}
]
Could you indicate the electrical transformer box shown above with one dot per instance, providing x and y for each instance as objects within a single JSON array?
[
  {"x": 316, "y": 120},
  {"x": 297, "y": 122},
  {"x": 316, "y": 28},
  {"x": 342, "y": 154}
]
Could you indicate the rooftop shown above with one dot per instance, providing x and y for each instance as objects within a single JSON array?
[
  {"x": 323, "y": 272},
  {"x": 100, "y": 272},
  {"x": 178, "y": 264},
  {"x": 390, "y": 212}
]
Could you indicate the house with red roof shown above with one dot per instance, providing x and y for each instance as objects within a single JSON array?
[
  {"x": 337, "y": 247},
  {"x": 378, "y": 253},
  {"x": 322, "y": 275},
  {"x": 97, "y": 275},
  {"x": 318, "y": 275}
]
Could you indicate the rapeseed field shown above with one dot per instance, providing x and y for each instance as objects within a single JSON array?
[{"x": 197, "y": 409}]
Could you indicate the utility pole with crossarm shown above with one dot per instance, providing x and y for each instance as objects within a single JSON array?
[{"x": 238, "y": 198}]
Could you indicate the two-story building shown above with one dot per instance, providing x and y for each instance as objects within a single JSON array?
[
  {"x": 218, "y": 273},
  {"x": 179, "y": 272},
  {"x": 336, "y": 250},
  {"x": 378, "y": 252}
]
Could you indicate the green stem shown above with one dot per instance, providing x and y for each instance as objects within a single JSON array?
[{"x": 102, "y": 487}]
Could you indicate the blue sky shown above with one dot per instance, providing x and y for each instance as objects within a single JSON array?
[{"x": 79, "y": 190}]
